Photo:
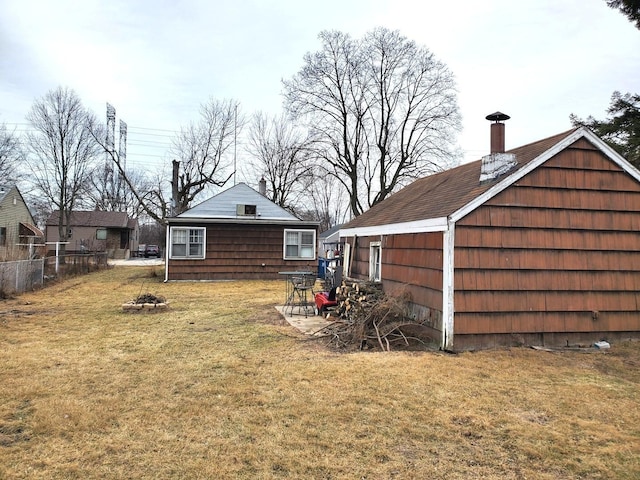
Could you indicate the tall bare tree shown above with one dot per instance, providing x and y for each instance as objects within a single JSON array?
[
  {"x": 383, "y": 111},
  {"x": 281, "y": 154},
  {"x": 10, "y": 155},
  {"x": 205, "y": 151},
  {"x": 327, "y": 93},
  {"x": 62, "y": 150}
]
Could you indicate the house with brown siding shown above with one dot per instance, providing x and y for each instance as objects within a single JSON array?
[
  {"x": 96, "y": 231},
  {"x": 238, "y": 234},
  {"x": 539, "y": 245}
]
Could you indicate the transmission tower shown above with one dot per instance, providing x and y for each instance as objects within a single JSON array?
[{"x": 122, "y": 153}]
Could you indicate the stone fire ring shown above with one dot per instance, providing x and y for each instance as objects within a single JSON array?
[{"x": 144, "y": 307}]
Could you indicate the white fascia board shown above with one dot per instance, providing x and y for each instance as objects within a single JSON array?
[
  {"x": 419, "y": 226},
  {"x": 262, "y": 221},
  {"x": 557, "y": 148}
]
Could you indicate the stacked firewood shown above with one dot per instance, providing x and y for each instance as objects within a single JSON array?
[
  {"x": 366, "y": 317},
  {"x": 355, "y": 299}
]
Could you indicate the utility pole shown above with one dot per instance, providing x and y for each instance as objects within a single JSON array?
[{"x": 235, "y": 134}]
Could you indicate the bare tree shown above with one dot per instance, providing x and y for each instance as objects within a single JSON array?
[
  {"x": 144, "y": 194},
  {"x": 329, "y": 95},
  {"x": 383, "y": 111},
  {"x": 204, "y": 148},
  {"x": 62, "y": 150},
  {"x": 10, "y": 155},
  {"x": 327, "y": 202},
  {"x": 281, "y": 154},
  {"x": 413, "y": 112},
  {"x": 101, "y": 198}
]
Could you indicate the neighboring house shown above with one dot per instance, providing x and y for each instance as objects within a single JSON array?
[
  {"x": 328, "y": 241},
  {"x": 18, "y": 233},
  {"x": 97, "y": 231},
  {"x": 539, "y": 245},
  {"x": 238, "y": 234}
]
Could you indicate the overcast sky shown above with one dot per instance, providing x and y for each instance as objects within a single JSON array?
[{"x": 156, "y": 61}]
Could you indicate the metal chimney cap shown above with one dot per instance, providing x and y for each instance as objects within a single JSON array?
[{"x": 497, "y": 117}]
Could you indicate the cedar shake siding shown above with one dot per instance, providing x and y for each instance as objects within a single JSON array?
[
  {"x": 236, "y": 251},
  {"x": 553, "y": 259},
  {"x": 547, "y": 253},
  {"x": 411, "y": 263}
]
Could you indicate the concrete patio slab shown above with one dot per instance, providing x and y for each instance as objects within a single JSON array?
[{"x": 308, "y": 325}]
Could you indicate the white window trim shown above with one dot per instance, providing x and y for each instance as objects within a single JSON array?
[
  {"x": 373, "y": 246},
  {"x": 298, "y": 230},
  {"x": 346, "y": 259},
  {"x": 187, "y": 256}
]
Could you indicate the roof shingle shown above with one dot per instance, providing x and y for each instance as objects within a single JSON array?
[{"x": 443, "y": 193}]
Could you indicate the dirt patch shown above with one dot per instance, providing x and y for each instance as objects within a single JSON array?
[{"x": 269, "y": 317}]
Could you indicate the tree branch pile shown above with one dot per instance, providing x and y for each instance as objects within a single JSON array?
[{"x": 366, "y": 317}]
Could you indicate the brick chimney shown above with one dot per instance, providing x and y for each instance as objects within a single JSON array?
[
  {"x": 497, "y": 163},
  {"x": 262, "y": 187}
]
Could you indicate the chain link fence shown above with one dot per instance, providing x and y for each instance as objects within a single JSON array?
[{"x": 21, "y": 275}]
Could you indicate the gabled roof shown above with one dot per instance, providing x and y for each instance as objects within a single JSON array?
[
  {"x": 223, "y": 207},
  {"x": 94, "y": 218},
  {"x": 4, "y": 190},
  {"x": 430, "y": 202},
  {"x": 7, "y": 189}
]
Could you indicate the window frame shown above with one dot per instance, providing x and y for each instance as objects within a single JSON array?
[
  {"x": 346, "y": 259},
  {"x": 187, "y": 244},
  {"x": 375, "y": 262},
  {"x": 299, "y": 231}
]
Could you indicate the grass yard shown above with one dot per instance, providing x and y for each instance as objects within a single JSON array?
[{"x": 219, "y": 387}]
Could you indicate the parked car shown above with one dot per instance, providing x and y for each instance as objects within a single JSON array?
[{"x": 151, "y": 251}]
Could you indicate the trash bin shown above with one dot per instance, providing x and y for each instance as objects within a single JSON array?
[{"x": 322, "y": 267}]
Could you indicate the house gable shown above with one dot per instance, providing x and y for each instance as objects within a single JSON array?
[
  {"x": 16, "y": 223},
  {"x": 224, "y": 206},
  {"x": 548, "y": 253}
]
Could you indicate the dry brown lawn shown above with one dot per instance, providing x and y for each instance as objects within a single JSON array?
[{"x": 219, "y": 387}]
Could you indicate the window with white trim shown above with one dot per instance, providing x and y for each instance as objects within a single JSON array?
[
  {"x": 375, "y": 261},
  {"x": 299, "y": 244},
  {"x": 346, "y": 259},
  {"x": 187, "y": 242}
]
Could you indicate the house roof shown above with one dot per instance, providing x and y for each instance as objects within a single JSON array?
[
  {"x": 4, "y": 191},
  {"x": 455, "y": 192},
  {"x": 330, "y": 236},
  {"x": 223, "y": 207},
  {"x": 94, "y": 218}
]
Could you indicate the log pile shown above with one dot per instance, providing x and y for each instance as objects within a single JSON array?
[{"x": 366, "y": 317}]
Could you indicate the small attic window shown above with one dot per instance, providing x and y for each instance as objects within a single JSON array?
[{"x": 242, "y": 209}]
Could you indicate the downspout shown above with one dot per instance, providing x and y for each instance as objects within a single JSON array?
[
  {"x": 166, "y": 254},
  {"x": 448, "y": 310}
]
